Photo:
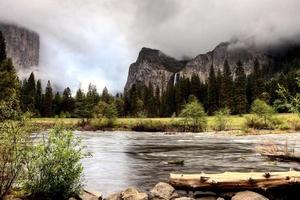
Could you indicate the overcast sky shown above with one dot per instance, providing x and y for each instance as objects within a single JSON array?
[{"x": 95, "y": 41}]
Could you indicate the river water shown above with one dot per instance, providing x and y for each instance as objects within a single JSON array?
[{"x": 122, "y": 159}]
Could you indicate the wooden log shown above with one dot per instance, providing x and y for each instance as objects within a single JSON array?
[
  {"x": 282, "y": 157},
  {"x": 234, "y": 180}
]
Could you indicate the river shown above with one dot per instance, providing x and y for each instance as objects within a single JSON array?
[{"x": 122, "y": 159}]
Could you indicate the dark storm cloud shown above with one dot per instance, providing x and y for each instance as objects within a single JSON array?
[{"x": 95, "y": 40}]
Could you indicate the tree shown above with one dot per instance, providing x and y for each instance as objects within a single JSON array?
[
  {"x": 106, "y": 110},
  {"x": 226, "y": 92},
  {"x": 55, "y": 170},
  {"x": 92, "y": 98},
  {"x": 81, "y": 110},
  {"x": 67, "y": 103},
  {"x": 10, "y": 90},
  {"x": 240, "y": 89},
  {"x": 221, "y": 119},
  {"x": 194, "y": 115},
  {"x": 262, "y": 110},
  {"x": 38, "y": 97},
  {"x": 106, "y": 97},
  {"x": 258, "y": 81},
  {"x": 57, "y": 104},
  {"x": 15, "y": 147},
  {"x": 2, "y": 48},
  {"x": 28, "y": 94},
  {"x": 212, "y": 91},
  {"x": 288, "y": 100},
  {"x": 48, "y": 100}
]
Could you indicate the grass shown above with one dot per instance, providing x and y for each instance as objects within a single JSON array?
[{"x": 235, "y": 122}]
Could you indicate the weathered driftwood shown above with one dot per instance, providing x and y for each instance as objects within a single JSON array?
[
  {"x": 282, "y": 157},
  {"x": 234, "y": 180}
]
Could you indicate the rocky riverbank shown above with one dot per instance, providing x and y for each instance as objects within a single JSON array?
[{"x": 164, "y": 191}]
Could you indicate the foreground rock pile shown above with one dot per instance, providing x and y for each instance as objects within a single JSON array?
[{"x": 164, "y": 191}]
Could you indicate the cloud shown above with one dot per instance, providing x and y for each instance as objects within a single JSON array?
[{"x": 96, "y": 40}]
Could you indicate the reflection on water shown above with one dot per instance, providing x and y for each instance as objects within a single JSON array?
[{"x": 122, "y": 159}]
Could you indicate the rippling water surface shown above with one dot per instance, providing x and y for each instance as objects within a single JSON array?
[{"x": 122, "y": 159}]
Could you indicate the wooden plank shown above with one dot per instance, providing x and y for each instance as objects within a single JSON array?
[{"x": 234, "y": 180}]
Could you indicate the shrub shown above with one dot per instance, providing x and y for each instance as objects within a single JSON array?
[
  {"x": 257, "y": 123},
  {"x": 149, "y": 126},
  {"x": 55, "y": 171},
  {"x": 194, "y": 116},
  {"x": 263, "y": 117},
  {"x": 14, "y": 150},
  {"x": 221, "y": 119},
  {"x": 262, "y": 110}
]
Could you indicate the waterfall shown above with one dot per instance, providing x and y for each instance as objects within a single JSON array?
[{"x": 175, "y": 78}]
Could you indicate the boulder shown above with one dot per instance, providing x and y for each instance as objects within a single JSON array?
[
  {"x": 184, "y": 198},
  {"x": 133, "y": 194},
  {"x": 88, "y": 195},
  {"x": 248, "y": 195},
  {"x": 207, "y": 198},
  {"x": 115, "y": 196},
  {"x": 163, "y": 191}
]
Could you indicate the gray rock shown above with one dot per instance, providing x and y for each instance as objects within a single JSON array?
[
  {"x": 248, "y": 195},
  {"x": 22, "y": 45},
  {"x": 115, "y": 196},
  {"x": 152, "y": 67},
  {"x": 133, "y": 194},
  {"x": 207, "y": 198},
  {"x": 163, "y": 191},
  {"x": 88, "y": 195},
  {"x": 184, "y": 198}
]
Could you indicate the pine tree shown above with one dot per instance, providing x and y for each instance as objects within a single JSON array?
[
  {"x": 227, "y": 88},
  {"x": 67, "y": 103},
  {"x": 31, "y": 92},
  {"x": 10, "y": 91},
  {"x": 212, "y": 91},
  {"x": 196, "y": 86},
  {"x": 57, "y": 104},
  {"x": 38, "y": 97},
  {"x": 240, "y": 89},
  {"x": 81, "y": 105},
  {"x": 219, "y": 83},
  {"x": 2, "y": 48},
  {"x": 92, "y": 98},
  {"x": 106, "y": 97},
  {"x": 48, "y": 100},
  {"x": 9, "y": 83},
  {"x": 258, "y": 81}
]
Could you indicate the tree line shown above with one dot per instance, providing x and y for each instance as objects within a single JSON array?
[{"x": 229, "y": 88}]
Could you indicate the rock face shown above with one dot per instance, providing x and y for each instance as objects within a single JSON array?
[
  {"x": 22, "y": 45},
  {"x": 201, "y": 64},
  {"x": 152, "y": 66}
]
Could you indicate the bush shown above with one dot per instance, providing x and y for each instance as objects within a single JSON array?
[
  {"x": 221, "y": 119},
  {"x": 14, "y": 150},
  {"x": 194, "y": 116},
  {"x": 149, "y": 126},
  {"x": 55, "y": 171},
  {"x": 257, "y": 123},
  {"x": 263, "y": 117},
  {"x": 295, "y": 124}
]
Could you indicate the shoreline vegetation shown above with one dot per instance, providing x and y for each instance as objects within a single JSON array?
[{"x": 235, "y": 124}]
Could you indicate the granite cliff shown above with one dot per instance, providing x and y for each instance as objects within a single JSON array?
[
  {"x": 22, "y": 45},
  {"x": 152, "y": 66}
]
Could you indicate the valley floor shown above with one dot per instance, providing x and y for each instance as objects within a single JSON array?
[{"x": 236, "y": 124}]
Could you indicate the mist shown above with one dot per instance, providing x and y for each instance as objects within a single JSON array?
[{"x": 95, "y": 41}]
